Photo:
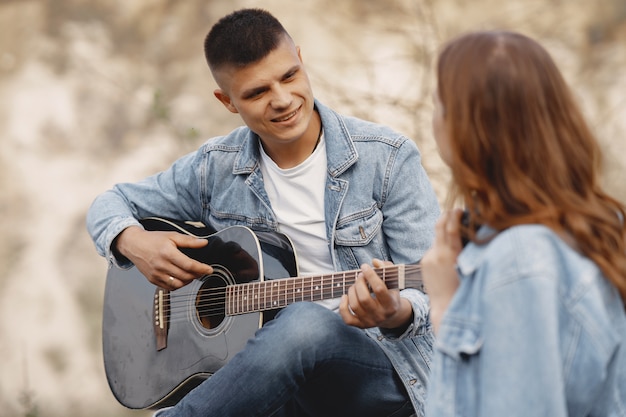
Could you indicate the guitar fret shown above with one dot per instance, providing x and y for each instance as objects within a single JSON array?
[
  {"x": 269, "y": 302},
  {"x": 320, "y": 288},
  {"x": 244, "y": 299},
  {"x": 247, "y": 299},
  {"x": 257, "y": 296},
  {"x": 236, "y": 300},
  {"x": 272, "y": 297},
  {"x": 251, "y": 298},
  {"x": 327, "y": 287},
  {"x": 282, "y": 301},
  {"x": 317, "y": 290},
  {"x": 229, "y": 299}
]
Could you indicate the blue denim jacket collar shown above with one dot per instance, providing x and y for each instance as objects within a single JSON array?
[{"x": 473, "y": 256}]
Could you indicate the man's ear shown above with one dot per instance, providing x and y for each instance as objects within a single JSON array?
[{"x": 225, "y": 99}]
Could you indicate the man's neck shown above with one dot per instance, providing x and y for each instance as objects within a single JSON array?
[{"x": 293, "y": 154}]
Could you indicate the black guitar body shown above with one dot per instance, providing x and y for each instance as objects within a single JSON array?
[{"x": 198, "y": 341}]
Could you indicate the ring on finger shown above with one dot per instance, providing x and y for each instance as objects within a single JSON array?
[{"x": 351, "y": 311}]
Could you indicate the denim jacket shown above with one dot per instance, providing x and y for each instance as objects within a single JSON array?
[
  {"x": 534, "y": 329},
  {"x": 379, "y": 204}
]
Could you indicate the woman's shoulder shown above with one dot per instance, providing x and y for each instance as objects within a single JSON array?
[
  {"x": 521, "y": 251},
  {"x": 517, "y": 242}
]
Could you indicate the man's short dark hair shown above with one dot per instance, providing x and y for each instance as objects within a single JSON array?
[{"x": 242, "y": 37}]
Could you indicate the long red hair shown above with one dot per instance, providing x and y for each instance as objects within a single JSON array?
[{"x": 521, "y": 149}]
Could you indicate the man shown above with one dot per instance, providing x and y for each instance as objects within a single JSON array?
[{"x": 347, "y": 192}]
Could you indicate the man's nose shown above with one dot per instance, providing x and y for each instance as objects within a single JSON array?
[{"x": 281, "y": 98}]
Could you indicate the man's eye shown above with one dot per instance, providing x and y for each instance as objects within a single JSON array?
[
  {"x": 290, "y": 76},
  {"x": 254, "y": 94}
]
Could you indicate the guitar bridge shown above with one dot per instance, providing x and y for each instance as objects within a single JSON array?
[{"x": 160, "y": 317}]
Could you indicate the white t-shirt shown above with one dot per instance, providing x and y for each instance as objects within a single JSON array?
[{"x": 297, "y": 197}]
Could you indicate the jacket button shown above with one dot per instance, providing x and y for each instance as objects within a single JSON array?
[
  {"x": 381, "y": 338},
  {"x": 412, "y": 381}
]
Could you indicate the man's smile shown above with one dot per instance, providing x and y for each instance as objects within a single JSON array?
[{"x": 286, "y": 117}]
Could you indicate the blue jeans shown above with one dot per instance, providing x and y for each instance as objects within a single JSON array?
[{"x": 305, "y": 362}]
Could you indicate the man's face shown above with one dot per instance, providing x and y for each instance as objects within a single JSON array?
[{"x": 273, "y": 96}]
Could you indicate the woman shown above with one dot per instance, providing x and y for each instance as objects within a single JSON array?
[{"x": 529, "y": 315}]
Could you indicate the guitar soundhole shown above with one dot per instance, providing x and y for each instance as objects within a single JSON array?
[{"x": 210, "y": 302}]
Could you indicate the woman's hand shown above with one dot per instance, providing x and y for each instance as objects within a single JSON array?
[{"x": 439, "y": 265}]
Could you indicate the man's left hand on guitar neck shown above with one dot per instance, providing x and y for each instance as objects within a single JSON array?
[{"x": 369, "y": 303}]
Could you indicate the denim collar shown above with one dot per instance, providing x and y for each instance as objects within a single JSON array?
[
  {"x": 473, "y": 254},
  {"x": 340, "y": 150}
]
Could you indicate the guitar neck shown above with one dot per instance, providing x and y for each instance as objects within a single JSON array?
[{"x": 278, "y": 293}]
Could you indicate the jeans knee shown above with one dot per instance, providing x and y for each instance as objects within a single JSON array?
[{"x": 305, "y": 323}]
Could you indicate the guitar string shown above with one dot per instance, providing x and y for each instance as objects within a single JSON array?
[
  {"x": 279, "y": 286},
  {"x": 178, "y": 314},
  {"x": 213, "y": 300},
  {"x": 208, "y": 310}
]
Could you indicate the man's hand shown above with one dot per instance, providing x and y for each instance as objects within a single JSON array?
[
  {"x": 156, "y": 255},
  {"x": 369, "y": 303}
]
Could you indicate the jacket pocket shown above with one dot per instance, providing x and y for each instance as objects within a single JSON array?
[
  {"x": 359, "y": 238},
  {"x": 459, "y": 338},
  {"x": 360, "y": 228}
]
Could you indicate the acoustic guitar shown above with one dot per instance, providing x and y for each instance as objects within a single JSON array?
[{"x": 160, "y": 344}]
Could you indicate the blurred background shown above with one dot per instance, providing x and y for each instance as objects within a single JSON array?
[{"x": 94, "y": 92}]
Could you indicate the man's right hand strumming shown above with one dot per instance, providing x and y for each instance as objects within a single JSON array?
[{"x": 156, "y": 255}]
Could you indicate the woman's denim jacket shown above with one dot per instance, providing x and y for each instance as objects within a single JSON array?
[
  {"x": 533, "y": 330},
  {"x": 379, "y": 204}
]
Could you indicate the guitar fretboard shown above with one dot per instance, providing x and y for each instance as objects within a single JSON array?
[{"x": 278, "y": 293}]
